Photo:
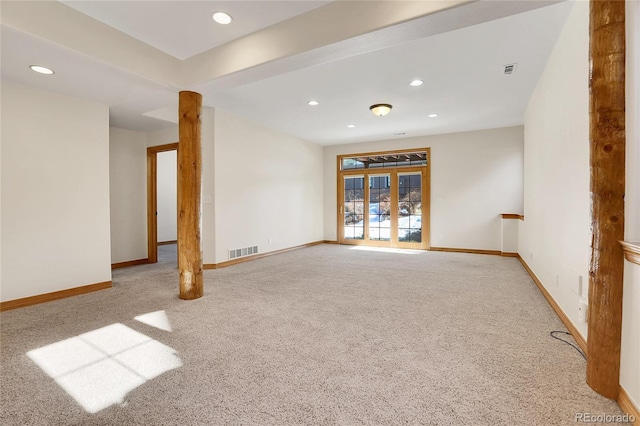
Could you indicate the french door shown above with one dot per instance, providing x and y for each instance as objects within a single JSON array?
[{"x": 384, "y": 206}]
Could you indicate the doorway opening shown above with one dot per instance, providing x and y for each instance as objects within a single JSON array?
[
  {"x": 384, "y": 199},
  {"x": 162, "y": 180}
]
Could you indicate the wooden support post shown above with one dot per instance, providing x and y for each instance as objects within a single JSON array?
[
  {"x": 189, "y": 183},
  {"x": 607, "y": 141}
]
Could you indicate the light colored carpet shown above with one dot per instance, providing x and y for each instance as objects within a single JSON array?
[
  {"x": 168, "y": 254},
  {"x": 323, "y": 335}
]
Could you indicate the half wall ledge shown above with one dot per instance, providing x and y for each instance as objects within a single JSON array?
[
  {"x": 631, "y": 251},
  {"x": 512, "y": 216}
]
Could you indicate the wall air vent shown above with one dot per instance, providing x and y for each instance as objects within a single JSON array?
[
  {"x": 241, "y": 252},
  {"x": 509, "y": 68}
]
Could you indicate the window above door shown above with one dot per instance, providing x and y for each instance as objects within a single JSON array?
[{"x": 384, "y": 160}]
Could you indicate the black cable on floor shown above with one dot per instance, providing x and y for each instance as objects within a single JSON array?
[{"x": 568, "y": 343}]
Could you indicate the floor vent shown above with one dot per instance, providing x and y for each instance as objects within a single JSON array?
[{"x": 241, "y": 252}]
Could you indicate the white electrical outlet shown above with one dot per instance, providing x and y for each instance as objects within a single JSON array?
[
  {"x": 583, "y": 307},
  {"x": 575, "y": 283},
  {"x": 579, "y": 285}
]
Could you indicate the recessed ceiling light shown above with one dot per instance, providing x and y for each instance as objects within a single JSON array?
[
  {"x": 41, "y": 70},
  {"x": 351, "y": 126},
  {"x": 416, "y": 83},
  {"x": 222, "y": 18},
  {"x": 432, "y": 115},
  {"x": 313, "y": 103}
]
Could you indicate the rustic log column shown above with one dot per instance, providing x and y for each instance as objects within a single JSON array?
[
  {"x": 189, "y": 182},
  {"x": 607, "y": 141}
]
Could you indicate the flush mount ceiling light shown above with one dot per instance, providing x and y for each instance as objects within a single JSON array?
[
  {"x": 381, "y": 109},
  {"x": 313, "y": 103},
  {"x": 222, "y": 18},
  {"x": 351, "y": 126},
  {"x": 416, "y": 83},
  {"x": 41, "y": 70},
  {"x": 432, "y": 115}
]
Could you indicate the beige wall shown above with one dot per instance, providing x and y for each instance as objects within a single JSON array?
[
  {"x": 128, "y": 177},
  {"x": 554, "y": 237},
  {"x": 128, "y": 189},
  {"x": 55, "y": 192},
  {"x": 259, "y": 187},
  {"x": 171, "y": 135},
  {"x": 268, "y": 187},
  {"x": 475, "y": 176},
  {"x": 208, "y": 185},
  {"x": 162, "y": 137},
  {"x": 167, "y": 184}
]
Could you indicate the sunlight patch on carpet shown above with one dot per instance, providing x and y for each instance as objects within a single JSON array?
[
  {"x": 386, "y": 250},
  {"x": 158, "y": 319},
  {"x": 99, "y": 368}
]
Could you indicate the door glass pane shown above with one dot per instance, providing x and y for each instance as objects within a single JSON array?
[
  {"x": 410, "y": 207},
  {"x": 353, "y": 207},
  {"x": 380, "y": 208}
]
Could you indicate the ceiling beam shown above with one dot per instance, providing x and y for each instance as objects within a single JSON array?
[
  {"x": 357, "y": 27},
  {"x": 64, "y": 26}
]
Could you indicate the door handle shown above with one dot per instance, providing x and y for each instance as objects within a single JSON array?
[{"x": 340, "y": 209}]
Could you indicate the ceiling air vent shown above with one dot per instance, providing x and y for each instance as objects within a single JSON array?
[{"x": 509, "y": 69}]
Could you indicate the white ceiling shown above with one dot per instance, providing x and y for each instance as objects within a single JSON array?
[
  {"x": 135, "y": 57},
  {"x": 152, "y": 21}
]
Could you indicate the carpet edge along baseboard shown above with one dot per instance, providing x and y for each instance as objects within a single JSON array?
[
  {"x": 129, "y": 263},
  {"x": 626, "y": 404},
  {"x": 49, "y": 297},
  {"x": 578, "y": 337},
  {"x": 260, "y": 255}
]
